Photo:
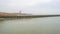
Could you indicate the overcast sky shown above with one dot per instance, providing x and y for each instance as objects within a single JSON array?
[{"x": 31, "y": 6}]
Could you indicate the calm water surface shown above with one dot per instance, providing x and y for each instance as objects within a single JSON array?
[{"x": 47, "y": 25}]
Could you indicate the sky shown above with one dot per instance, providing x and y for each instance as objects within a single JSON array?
[{"x": 30, "y": 6}]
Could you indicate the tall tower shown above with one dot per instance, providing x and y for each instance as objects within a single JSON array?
[{"x": 20, "y": 12}]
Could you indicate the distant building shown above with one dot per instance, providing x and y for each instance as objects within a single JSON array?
[
  {"x": 13, "y": 14},
  {"x": 22, "y": 14}
]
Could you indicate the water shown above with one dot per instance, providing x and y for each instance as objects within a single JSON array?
[{"x": 47, "y": 25}]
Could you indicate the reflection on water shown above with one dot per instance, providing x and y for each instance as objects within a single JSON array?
[{"x": 49, "y": 25}]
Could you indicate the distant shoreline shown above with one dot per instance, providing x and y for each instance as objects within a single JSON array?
[{"x": 31, "y": 16}]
